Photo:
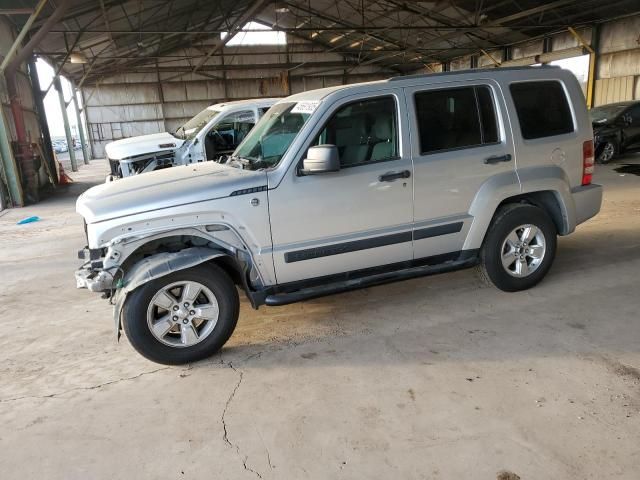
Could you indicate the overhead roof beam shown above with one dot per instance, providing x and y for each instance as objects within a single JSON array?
[
  {"x": 500, "y": 23},
  {"x": 355, "y": 28},
  {"x": 349, "y": 26},
  {"x": 16, "y": 11},
  {"x": 18, "y": 40},
  {"x": 531, "y": 11},
  {"x": 141, "y": 59}
]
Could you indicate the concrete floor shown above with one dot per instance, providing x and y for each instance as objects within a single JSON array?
[{"x": 434, "y": 378}]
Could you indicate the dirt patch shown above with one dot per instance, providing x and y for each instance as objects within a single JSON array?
[
  {"x": 622, "y": 369},
  {"x": 577, "y": 325},
  {"x": 506, "y": 475},
  {"x": 412, "y": 394}
]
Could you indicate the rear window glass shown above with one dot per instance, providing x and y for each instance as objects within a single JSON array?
[
  {"x": 455, "y": 118},
  {"x": 542, "y": 108}
]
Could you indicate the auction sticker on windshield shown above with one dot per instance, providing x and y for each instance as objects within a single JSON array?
[{"x": 306, "y": 107}]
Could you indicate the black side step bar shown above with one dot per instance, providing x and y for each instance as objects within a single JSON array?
[{"x": 372, "y": 280}]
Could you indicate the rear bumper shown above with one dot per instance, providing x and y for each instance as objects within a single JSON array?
[{"x": 588, "y": 200}]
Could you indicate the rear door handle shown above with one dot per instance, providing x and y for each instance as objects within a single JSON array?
[
  {"x": 391, "y": 176},
  {"x": 497, "y": 159}
]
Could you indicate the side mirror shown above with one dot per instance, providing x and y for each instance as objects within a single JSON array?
[{"x": 321, "y": 159}]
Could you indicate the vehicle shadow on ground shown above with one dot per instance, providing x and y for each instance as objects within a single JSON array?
[{"x": 458, "y": 316}]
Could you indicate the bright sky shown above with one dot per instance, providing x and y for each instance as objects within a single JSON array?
[
  {"x": 268, "y": 37},
  {"x": 52, "y": 103},
  {"x": 578, "y": 65}
]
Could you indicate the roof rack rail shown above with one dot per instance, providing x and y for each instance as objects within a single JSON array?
[{"x": 470, "y": 70}]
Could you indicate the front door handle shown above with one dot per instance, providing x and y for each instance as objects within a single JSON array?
[
  {"x": 391, "y": 176},
  {"x": 497, "y": 159}
]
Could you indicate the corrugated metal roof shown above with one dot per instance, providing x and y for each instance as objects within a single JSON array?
[{"x": 183, "y": 36}]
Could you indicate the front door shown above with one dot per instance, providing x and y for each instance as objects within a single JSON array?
[
  {"x": 459, "y": 144},
  {"x": 358, "y": 217}
]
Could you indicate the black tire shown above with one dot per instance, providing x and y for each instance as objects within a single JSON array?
[
  {"x": 134, "y": 316},
  {"x": 506, "y": 220},
  {"x": 609, "y": 151}
]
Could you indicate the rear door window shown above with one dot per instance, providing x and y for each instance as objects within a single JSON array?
[
  {"x": 542, "y": 108},
  {"x": 455, "y": 118}
]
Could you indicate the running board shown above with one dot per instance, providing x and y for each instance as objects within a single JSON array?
[{"x": 370, "y": 281}]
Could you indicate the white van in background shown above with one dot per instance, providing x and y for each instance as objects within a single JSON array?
[{"x": 215, "y": 131}]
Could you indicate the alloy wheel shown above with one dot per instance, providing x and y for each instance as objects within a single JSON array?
[
  {"x": 523, "y": 250},
  {"x": 182, "y": 314},
  {"x": 607, "y": 153}
]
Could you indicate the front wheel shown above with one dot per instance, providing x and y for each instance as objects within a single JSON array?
[
  {"x": 609, "y": 150},
  {"x": 182, "y": 317},
  {"x": 519, "y": 247}
]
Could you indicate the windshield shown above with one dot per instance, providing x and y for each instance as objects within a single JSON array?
[
  {"x": 267, "y": 143},
  {"x": 606, "y": 113},
  {"x": 190, "y": 129}
]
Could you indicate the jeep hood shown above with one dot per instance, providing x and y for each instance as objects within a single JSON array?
[
  {"x": 169, "y": 187},
  {"x": 134, "y": 146}
]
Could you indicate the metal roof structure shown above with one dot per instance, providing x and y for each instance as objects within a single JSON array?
[{"x": 398, "y": 36}]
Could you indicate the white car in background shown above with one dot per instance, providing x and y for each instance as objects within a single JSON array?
[{"x": 215, "y": 131}]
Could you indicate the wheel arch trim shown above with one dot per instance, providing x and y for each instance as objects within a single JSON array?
[
  {"x": 533, "y": 181},
  {"x": 158, "y": 266}
]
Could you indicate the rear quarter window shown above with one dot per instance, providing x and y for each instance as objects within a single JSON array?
[{"x": 542, "y": 108}]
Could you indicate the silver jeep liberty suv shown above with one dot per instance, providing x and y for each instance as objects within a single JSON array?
[{"x": 343, "y": 188}]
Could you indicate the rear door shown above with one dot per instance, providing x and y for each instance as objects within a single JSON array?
[{"x": 459, "y": 142}]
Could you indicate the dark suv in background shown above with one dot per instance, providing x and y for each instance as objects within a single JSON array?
[{"x": 616, "y": 128}]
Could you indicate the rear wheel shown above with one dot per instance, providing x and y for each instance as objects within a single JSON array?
[
  {"x": 182, "y": 317},
  {"x": 519, "y": 247}
]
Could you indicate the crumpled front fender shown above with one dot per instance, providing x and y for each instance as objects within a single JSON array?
[{"x": 157, "y": 266}]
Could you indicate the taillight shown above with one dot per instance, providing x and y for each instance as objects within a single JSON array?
[{"x": 587, "y": 162}]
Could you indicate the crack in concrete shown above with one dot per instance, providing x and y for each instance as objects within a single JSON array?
[
  {"x": 266, "y": 450},
  {"x": 93, "y": 387},
  {"x": 225, "y": 435}
]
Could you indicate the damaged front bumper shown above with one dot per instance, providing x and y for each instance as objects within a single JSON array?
[
  {"x": 91, "y": 275},
  {"x": 94, "y": 281}
]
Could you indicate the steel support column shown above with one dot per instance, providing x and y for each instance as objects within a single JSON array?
[
  {"x": 9, "y": 164},
  {"x": 592, "y": 65},
  {"x": 85, "y": 154},
  {"x": 86, "y": 122},
  {"x": 65, "y": 119}
]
